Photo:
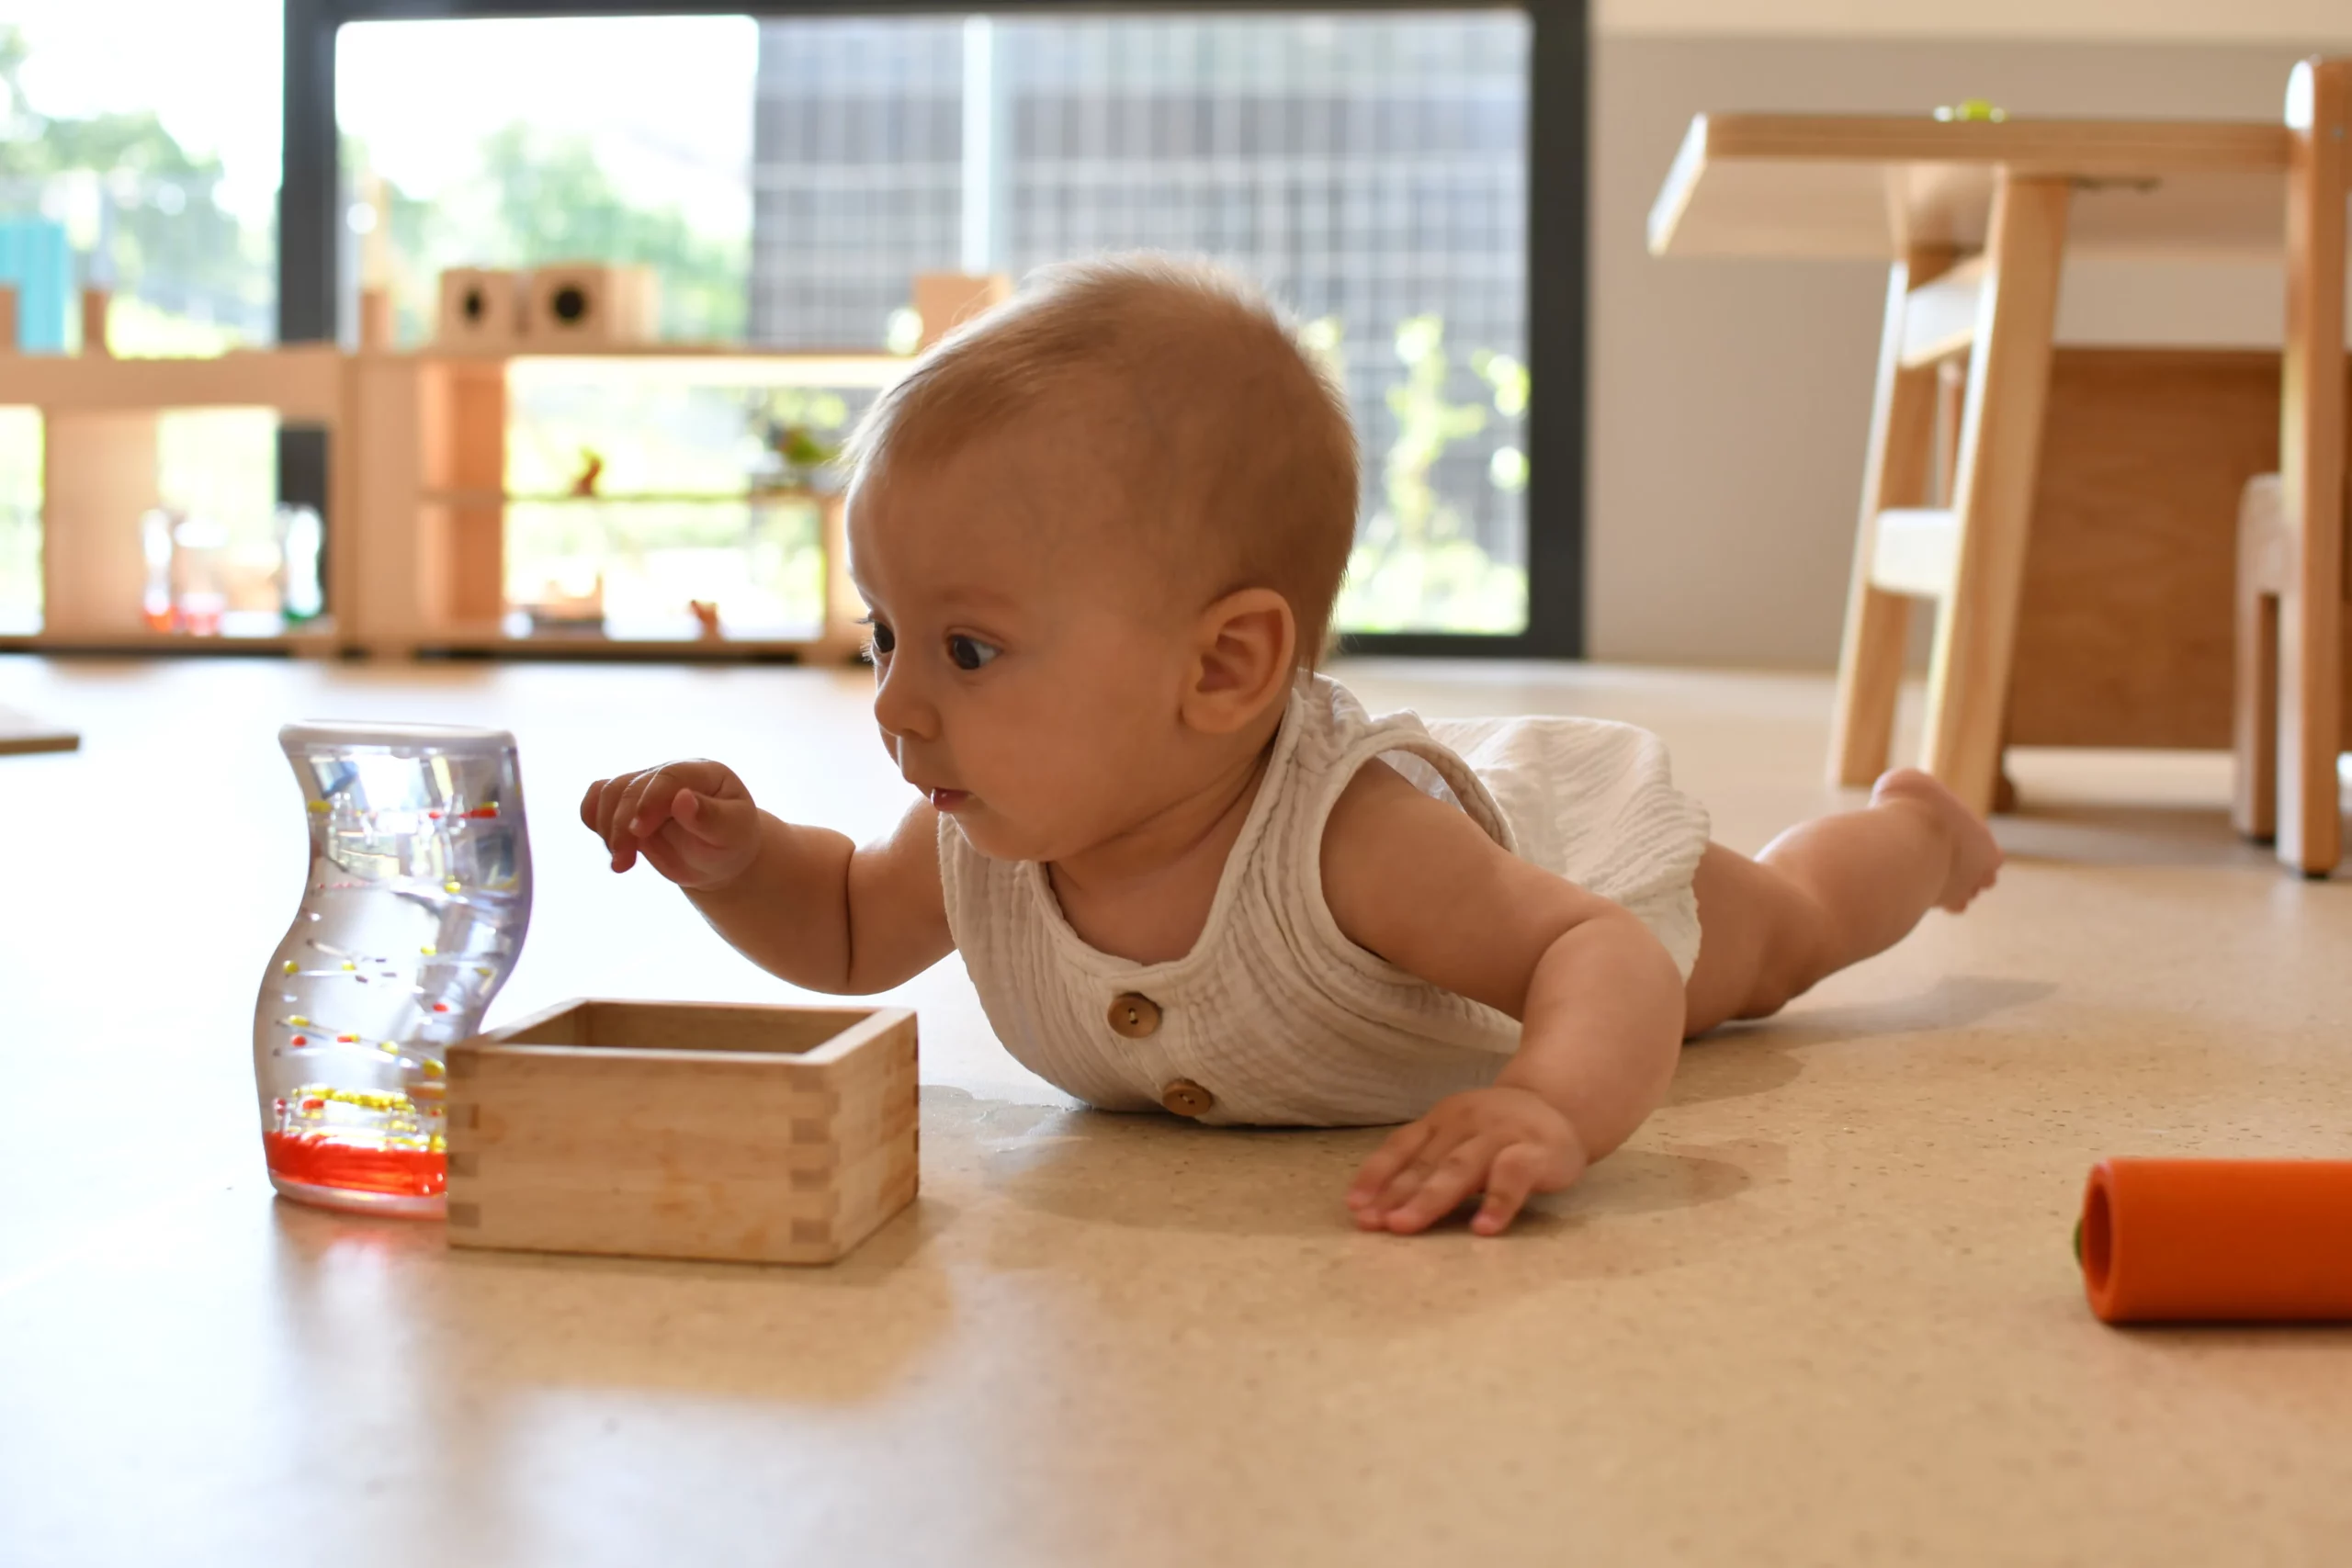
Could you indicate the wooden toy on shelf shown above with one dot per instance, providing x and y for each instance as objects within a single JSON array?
[
  {"x": 591, "y": 305},
  {"x": 480, "y": 308},
  {"x": 766, "y": 1135}
]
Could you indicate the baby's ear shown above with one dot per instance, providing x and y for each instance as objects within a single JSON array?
[{"x": 1244, "y": 647}]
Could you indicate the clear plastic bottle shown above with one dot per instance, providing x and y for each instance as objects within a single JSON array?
[{"x": 412, "y": 915}]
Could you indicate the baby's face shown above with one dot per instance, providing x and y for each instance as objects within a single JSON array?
[{"x": 1028, "y": 654}]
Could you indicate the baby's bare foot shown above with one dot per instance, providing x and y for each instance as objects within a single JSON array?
[{"x": 1975, "y": 858}]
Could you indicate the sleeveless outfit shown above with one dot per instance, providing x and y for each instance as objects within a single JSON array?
[{"x": 1274, "y": 1017}]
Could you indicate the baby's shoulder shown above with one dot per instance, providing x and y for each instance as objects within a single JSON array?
[{"x": 1381, "y": 819}]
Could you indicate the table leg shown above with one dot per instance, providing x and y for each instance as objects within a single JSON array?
[
  {"x": 2000, "y": 439},
  {"x": 2312, "y": 474},
  {"x": 1897, "y": 472}
]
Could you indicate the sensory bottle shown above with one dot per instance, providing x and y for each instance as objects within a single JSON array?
[{"x": 413, "y": 910}]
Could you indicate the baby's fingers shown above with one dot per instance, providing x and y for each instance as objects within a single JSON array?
[
  {"x": 1455, "y": 1178},
  {"x": 1510, "y": 1180},
  {"x": 712, "y": 818},
  {"x": 592, "y": 808},
  {"x": 1392, "y": 1156},
  {"x": 646, "y": 804}
]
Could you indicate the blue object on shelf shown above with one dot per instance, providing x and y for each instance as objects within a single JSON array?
[{"x": 36, "y": 259}]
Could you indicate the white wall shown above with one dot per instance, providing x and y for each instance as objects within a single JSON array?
[
  {"x": 1729, "y": 397},
  {"x": 2301, "y": 22}
]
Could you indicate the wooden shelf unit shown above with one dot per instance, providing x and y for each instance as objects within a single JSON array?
[
  {"x": 416, "y": 516},
  {"x": 428, "y": 501},
  {"x": 100, "y": 418}
]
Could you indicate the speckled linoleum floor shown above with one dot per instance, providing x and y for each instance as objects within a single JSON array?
[{"x": 1821, "y": 1310}]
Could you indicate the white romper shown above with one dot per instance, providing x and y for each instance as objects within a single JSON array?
[{"x": 1274, "y": 1013}]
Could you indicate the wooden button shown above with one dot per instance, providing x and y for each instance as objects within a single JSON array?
[
  {"x": 1134, "y": 1016},
  {"x": 1186, "y": 1097}
]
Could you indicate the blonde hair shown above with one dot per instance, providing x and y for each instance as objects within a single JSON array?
[{"x": 1242, "y": 450}]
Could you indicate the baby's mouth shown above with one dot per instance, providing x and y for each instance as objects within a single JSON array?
[{"x": 948, "y": 799}]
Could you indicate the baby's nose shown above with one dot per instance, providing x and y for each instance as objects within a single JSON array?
[{"x": 901, "y": 712}]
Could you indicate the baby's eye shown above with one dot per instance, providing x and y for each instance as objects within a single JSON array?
[
  {"x": 881, "y": 642},
  {"x": 969, "y": 652}
]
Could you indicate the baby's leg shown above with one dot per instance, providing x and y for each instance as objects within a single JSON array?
[{"x": 1829, "y": 893}]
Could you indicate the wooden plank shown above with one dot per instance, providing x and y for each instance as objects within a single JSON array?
[
  {"x": 2125, "y": 626},
  {"x": 302, "y": 382},
  {"x": 2102, "y": 148},
  {"x": 383, "y": 570},
  {"x": 2124, "y": 630},
  {"x": 471, "y": 456},
  {"x": 806, "y": 1033},
  {"x": 2312, "y": 471},
  {"x": 21, "y": 733},
  {"x": 1918, "y": 551},
  {"x": 96, "y": 305},
  {"x": 316, "y": 639},
  {"x": 484, "y": 639},
  {"x": 1879, "y": 186},
  {"x": 1999, "y": 444},
  {"x": 1939, "y": 317},
  {"x": 99, "y": 480},
  {"x": 1896, "y": 473},
  {"x": 374, "y": 317}
]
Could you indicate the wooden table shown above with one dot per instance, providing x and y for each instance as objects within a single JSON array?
[{"x": 1975, "y": 219}]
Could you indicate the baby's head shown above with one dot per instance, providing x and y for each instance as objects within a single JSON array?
[{"x": 1100, "y": 530}]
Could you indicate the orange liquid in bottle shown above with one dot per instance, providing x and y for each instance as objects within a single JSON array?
[{"x": 330, "y": 1162}]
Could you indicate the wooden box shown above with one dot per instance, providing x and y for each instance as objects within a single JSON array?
[
  {"x": 480, "y": 308},
  {"x": 591, "y": 305},
  {"x": 767, "y": 1134}
]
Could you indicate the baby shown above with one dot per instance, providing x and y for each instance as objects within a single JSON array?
[{"x": 1100, "y": 531}]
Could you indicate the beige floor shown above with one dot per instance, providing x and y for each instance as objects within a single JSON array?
[{"x": 1821, "y": 1310}]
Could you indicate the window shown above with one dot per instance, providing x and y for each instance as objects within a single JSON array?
[
  {"x": 1370, "y": 171},
  {"x": 139, "y": 153},
  {"x": 790, "y": 175}
]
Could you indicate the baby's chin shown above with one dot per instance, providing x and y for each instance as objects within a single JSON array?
[{"x": 993, "y": 836}]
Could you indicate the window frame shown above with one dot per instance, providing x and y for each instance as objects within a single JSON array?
[{"x": 310, "y": 237}]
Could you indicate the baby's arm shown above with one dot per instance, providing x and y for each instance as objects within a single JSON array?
[
  {"x": 806, "y": 904},
  {"x": 1600, "y": 1002}
]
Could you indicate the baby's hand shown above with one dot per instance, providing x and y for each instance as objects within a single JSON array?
[
  {"x": 694, "y": 822},
  {"x": 1504, "y": 1142}
]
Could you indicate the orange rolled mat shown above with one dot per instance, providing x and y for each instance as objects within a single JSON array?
[{"x": 2218, "y": 1240}]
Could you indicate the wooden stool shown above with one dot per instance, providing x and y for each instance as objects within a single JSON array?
[{"x": 2291, "y": 650}]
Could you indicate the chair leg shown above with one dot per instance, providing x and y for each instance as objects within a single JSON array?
[
  {"x": 2000, "y": 448},
  {"x": 2254, "y": 710},
  {"x": 1897, "y": 472},
  {"x": 2254, "y": 805},
  {"x": 2309, "y": 728}
]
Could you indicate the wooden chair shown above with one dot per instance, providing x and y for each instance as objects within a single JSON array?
[
  {"x": 1948, "y": 489},
  {"x": 2290, "y": 721}
]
